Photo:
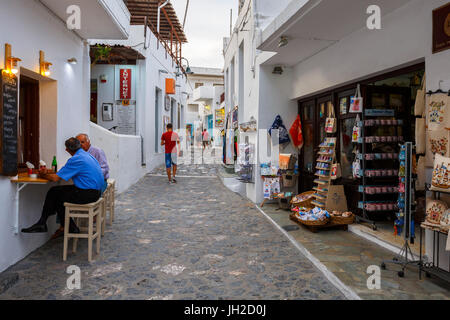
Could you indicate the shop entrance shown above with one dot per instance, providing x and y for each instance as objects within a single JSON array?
[
  {"x": 395, "y": 91},
  {"x": 28, "y": 144}
]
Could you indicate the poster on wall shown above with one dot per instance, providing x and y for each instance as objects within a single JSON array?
[
  {"x": 220, "y": 118},
  {"x": 125, "y": 84},
  {"x": 126, "y": 119},
  {"x": 107, "y": 112},
  {"x": 441, "y": 28}
]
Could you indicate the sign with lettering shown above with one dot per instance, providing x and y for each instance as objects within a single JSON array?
[
  {"x": 441, "y": 28},
  {"x": 125, "y": 84},
  {"x": 8, "y": 124}
]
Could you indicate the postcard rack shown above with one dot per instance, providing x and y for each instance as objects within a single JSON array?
[{"x": 327, "y": 155}]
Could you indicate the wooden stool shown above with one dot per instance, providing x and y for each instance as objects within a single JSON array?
[
  {"x": 111, "y": 198},
  {"x": 84, "y": 211}
]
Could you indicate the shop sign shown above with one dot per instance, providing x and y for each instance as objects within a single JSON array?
[
  {"x": 125, "y": 84},
  {"x": 441, "y": 28}
]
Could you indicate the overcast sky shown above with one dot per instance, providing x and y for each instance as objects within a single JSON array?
[{"x": 207, "y": 22}]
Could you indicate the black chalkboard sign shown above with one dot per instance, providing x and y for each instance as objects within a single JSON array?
[{"x": 8, "y": 124}]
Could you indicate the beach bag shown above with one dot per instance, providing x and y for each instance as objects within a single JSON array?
[
  {"x": 356, "y": 102},
  {"x": 330, "y": 124},
  {"x": 437, "y": 111},
  {"x": 421, "y": 176},
  {"x": 435, "y": 210},
  {"x": 356, "y": 132},
  {"x": 441, "y": 173},
  {"x": 296, "y": 133},
  {"x": 356, "y": 167},
  {"x": 336, "y": 172},
  {"x": 419, "y": 107},
  {"x": 420, "y": 135},
  {"x": 283, "y": 133},
  {"x": 437, "y": 144}
]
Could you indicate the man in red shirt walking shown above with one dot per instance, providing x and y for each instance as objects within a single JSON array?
[{"x": 170, "y": 139}]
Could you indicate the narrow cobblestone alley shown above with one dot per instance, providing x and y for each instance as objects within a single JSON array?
[{"x": 190, "y": 240}]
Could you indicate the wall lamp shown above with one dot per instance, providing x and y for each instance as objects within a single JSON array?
[
  {"x": 283, "y": 41},
  {"x": 72, "y": 61},
  {"x": 11, "y": 63},
  {"x": 44, "y": 66},
  {"x": 277, "y": 70}
]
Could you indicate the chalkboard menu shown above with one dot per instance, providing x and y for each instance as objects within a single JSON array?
[{"x": 8, "y": 124}]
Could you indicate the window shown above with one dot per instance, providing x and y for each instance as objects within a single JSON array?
[{"x": 198, "y": 84}]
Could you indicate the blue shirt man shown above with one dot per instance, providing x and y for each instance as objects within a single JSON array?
[
  {"x": 84, "y": 170},
  {"x": 87, "y": 176}
]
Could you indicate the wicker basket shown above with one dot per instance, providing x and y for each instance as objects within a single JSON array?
[
  {"x": 309, "y": 222},
  {"x": 305, "y": 203},
  {"x": 342, "y": 220}
]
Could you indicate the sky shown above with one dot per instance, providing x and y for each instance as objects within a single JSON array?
[{"x": 207, "y": 23}]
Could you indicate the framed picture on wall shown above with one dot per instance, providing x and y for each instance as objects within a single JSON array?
[{"x": 107, "y": 112}]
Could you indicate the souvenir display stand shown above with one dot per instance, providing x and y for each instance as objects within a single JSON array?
[
  {"x": 405, "y": 214},
  {"x": 325, "y": 162},
  {"x": 378, "y": 156},
  {"x": 432, "y": 268},
  {"x": 244, "y": 163}
]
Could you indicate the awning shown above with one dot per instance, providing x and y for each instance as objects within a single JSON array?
[
  {"x": 119, "y": 55},
  {"x": 140, "y": 9}
]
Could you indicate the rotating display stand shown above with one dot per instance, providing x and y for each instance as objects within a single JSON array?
[
  {"x": 406, "y": 214},
  {"x": 379, "y": 168}
]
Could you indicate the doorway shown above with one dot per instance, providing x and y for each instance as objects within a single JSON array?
[{"x": 28, "y": 144}]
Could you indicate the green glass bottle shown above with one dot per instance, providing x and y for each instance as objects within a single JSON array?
[{"x": 54, "y": 165}]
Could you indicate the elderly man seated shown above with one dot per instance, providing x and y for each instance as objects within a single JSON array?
[
  {"x": 97, "y": 153},
  {"x": 88, "y": 181}
]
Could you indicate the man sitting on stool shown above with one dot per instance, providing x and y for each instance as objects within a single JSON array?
[{"x": 87, "y": 176}]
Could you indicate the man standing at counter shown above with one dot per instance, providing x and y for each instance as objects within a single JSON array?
[{"x": 88, "y": 181}]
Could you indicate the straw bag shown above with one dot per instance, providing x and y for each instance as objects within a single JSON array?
[
  {"x": 419, "y": 107},
  {"x": 330, "y": 124},
  {"x": 420, "y": 136},
  {"x": 356, "y": 103}
]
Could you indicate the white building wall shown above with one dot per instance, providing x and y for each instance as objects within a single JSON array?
[
  {"x": 148, "y": 78},
  {"x": 64, "y": 110}
]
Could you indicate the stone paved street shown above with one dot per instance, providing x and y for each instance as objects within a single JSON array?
[{"x": 192, "y": 240}]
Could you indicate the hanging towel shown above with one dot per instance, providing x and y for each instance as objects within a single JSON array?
[
  {"x": 283, "y": 133},
  {"x": 296, "y": 133}
]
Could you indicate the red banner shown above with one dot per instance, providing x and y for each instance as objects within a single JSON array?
[{"x": 125, "y": 84}]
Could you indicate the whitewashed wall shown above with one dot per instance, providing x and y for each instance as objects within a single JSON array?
[
  {"x": 31, "y": 28},
  {"x": 127, "y": 166}
]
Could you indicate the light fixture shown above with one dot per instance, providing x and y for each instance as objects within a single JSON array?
[
  {"x": 11, "y": 63},
  {"x": 283, "y": 41},
  {"x": 72, "y": 61},
  {"x": 163, "y": 71},
  {"x": 44, "y": 66},
  {"x": 277, "y": 70}
]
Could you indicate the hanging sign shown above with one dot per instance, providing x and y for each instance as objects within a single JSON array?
[
  {"x": 441, "y": 28},
  {"x": 125, "y": 84}
]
